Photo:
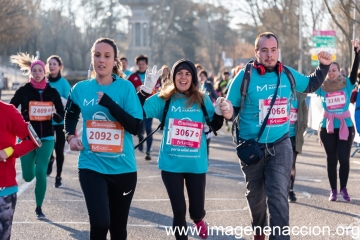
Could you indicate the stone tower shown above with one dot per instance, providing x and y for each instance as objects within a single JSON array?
[{"x": 139, "y": 23}]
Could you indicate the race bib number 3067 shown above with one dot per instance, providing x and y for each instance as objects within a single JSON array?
[
  {"x": 186, "y": 133},
  {"x": 105, "y": 136}
]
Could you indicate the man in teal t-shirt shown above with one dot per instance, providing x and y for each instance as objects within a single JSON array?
[
  {"x": 268, "y": 180},
  {"x": 125, "y": 63}
]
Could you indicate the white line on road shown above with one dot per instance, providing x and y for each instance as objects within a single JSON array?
[
  {"x": 139, "y": 200},
  {"x": 157, "y": 176},
  {"x": 225, "y": 175},
  {"x": 23, "y": 187},
  {"x": 228, "y": 210}
]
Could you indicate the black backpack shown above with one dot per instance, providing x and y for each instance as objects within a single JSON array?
[
  {"x": 243, "y": 91},
  {"x": 162, "y": 123}
]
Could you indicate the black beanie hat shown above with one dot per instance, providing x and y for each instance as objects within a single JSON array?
[{"x": 185, "y": 64}]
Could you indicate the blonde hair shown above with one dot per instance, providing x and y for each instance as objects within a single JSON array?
[
  {"x": 23, "y": 60},
  {"x": 117, "y": 68}
]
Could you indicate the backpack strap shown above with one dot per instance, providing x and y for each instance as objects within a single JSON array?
[
  {"x": 161, "y": 125},
  {"x": 207, "y": 119},
  {"x": 245, "y": 84},
  {"x": 291, "y": 78}
]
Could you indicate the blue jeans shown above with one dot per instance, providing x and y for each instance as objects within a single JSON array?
[
  {"x": 145, "y": 126},
  {"x": 267, "y": 184}
]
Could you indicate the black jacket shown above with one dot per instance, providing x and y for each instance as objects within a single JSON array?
[{"x": 28, "y": 93}]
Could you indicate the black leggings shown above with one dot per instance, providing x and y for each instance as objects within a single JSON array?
[
  {"x": 195, "y": 185},
  {"x": 337, "y": 149},
  {"x": 108, "y": 199},
  {"x": 59, "y": 149},
  {"x": 293, "y": 169}
]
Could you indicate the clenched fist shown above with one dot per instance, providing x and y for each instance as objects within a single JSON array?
[{"x": 325, "y": 58}]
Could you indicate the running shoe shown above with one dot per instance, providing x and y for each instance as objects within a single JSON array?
[
  {"x": 333, "y": 195},
  {"x": 148, "y": 157},
  {"x": 39, "y": 214},
  {"x": 58, "y": 182},
  {"x": 202, "y": 227},
  {"x": 292, "y": 196},
  {"x": 345, "y": 194}
]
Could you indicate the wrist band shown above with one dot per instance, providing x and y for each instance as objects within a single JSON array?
[
  {"x": 141, "y": 92},
  {"x": 9, "y": 151}
]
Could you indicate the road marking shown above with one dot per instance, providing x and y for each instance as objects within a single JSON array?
[
  {"x": 157, "y": 176},
  {"x": 305, "y": 179},
  {"x": 138, "y": 200},
  {"x": 225, "y": 175},
  {"x": 229, "y": 210},
  {"x": 23, "y": 187}
]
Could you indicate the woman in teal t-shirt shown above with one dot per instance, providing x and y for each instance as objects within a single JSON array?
[
  {"x": 336, "y": 128},
  {"x": 111, "y": 114},
  {"x": 183, "y": 152},
  {"x": 54, "y": 67}
]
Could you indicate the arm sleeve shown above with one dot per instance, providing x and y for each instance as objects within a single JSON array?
[
  {"x": 72, "y": 113},
  {"x": 16, "y": 100},
  {"x": 317, "y": 78},
  {"x": 357, "y": 113},
  {"x": 59, "y": 114},
  {"x": 130, "y": 123},
  {"x": 217, "y": 122},
  {"x": 354, "y": 68},
  {"x": 20, "y": 129}
]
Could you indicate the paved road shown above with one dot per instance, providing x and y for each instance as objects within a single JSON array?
[{"x": 225, "y": 199}]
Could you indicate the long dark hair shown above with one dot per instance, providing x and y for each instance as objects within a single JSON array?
[{"x": 118, "y": 66}]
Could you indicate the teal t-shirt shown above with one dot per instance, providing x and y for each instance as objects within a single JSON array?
[
  {"x": 63, "y": 88},
  {"x": 142, "y": 77},
  {"x": 257, "y": 102},
  {"x": 293, "y": 117},
  {"x": 8, "y": 190},
  {"x": 183, "y": 128},
  {"x": 123, "y": 93},
  {"x": 336, "y": 102},
  {"x": 127, "y": 73}
]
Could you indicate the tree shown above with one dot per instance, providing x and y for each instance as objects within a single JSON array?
[
  {"x": 173, "y": 37},
  {"x": 17, "y": 21},
  {"x": 341, "y": 12}
]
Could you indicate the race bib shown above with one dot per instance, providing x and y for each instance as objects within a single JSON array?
[
  {"x": 293, "y": 115},
  {"x": 335, "y": 100},
  {"x": 40, "y": 111},
  {"x": 185, "y": 133},
  {"x": 105, "y": 136},
  {"x": 278, "y": 113}
]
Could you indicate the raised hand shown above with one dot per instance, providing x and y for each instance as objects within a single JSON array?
[
  {"x": 325, "y": 58},
  {"x": 151, "y": 79},
  {"x": 355, "y": 44}
]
